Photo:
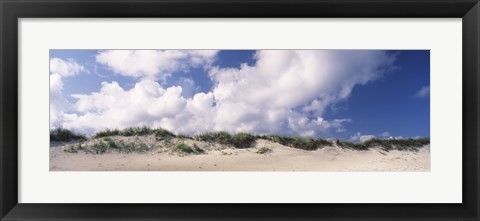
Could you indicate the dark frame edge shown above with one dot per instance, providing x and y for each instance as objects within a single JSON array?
[
  {"x": 9, "y": 114},
  {"x": 471, "y": 85}
]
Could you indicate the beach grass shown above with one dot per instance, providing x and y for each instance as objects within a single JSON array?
[
  {"x": 299, "y": 142},
  {"x": 239, "y": 140},
  {"x": 64, "y": 135},
  {"x": 264, "y": 150},
  {"x": 187, "y": 149}
]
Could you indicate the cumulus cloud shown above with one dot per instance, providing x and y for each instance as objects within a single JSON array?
[
  {"x": 65, "y": 68},
  {"x": 113, "y": 107},
  {"x": 360, "y": 137},
  {"x": 149, "y": 104},
  {"x": 424, "y": 92},
  {"x": 154, "y": 64},
  {"x": 58, "y": 104},
  {"x": 310, "y": 78},
  {"x": 263, "y": 95},
  {"x": 284, "y": 92}
]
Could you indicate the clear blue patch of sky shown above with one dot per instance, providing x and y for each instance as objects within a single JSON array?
[{"x": 389, "y": 104}]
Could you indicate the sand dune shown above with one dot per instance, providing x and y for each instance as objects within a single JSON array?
[{"x": 221, "y": 158}]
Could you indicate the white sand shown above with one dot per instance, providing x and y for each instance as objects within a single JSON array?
[{"x": 281, "y": 158}]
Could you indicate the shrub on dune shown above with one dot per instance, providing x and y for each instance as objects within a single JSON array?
[
  {"x": 264, "y": 150},
  {"x": 300, "y": 142},
  {"x": 64, "y": 135},
  {"x": 162, "y": 134},
  {"x": 242, "y": 140},
  {"x": 74, "y": 148},
  {"x": 409, "y": 144},
  {"x": 239, "y": 140},
  {"x": 100, "y": 148},
  {"x": 351, "y": 145},
  {"x": 107, "y": 133},
  {"x": 186, "y": 149},
  {"x": 221, "y": 137},
  {"x": 136, "y": 131},
  {"x": 106, "y": 144}
]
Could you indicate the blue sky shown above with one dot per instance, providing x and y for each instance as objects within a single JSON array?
[{"x": 344, "y": 94}]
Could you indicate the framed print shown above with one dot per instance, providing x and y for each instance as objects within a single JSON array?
[{"x": 239, "y": 110}]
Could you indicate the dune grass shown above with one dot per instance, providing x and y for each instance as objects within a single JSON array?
[
  {"x": 162, "y": 134},
  {"x": 237, "y": 140},
  {"x": 106, "y": 144},
  {"x": 299, "y": 142},
  {"x": 159, "y": 133},
  {"x": 127, "y": 132},
  {"x": 107, "y": 133},
  {"x": 186, "y": 149},
  {"x": 63, "y": 135},
  {"x": 74, "y": 148},
  {"x": 409, "y": 144},
  {"x": 264, "y": 150}
]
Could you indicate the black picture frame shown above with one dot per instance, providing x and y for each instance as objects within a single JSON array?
[{"x": 12, "y": 10}]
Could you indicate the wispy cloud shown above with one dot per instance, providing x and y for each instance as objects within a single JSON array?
[
  {"x": 154, "y": 64},
  {"x": 65, "y": 68},
  {"x": 424, "y": 92},
  {"x": 361, "y": 137},
  {"x": 384, "y": 134}
]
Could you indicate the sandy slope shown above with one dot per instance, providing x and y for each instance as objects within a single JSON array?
[{"x": 217, "y": 158}]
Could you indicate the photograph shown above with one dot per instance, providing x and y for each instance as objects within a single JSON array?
[{"x": 285, "y": 110}]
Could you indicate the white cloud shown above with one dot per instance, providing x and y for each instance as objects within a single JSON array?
[
  {"x": 366, "y": 137},
  {"x": 284, "y": 92},
  {"x": 264, "y": 95},
  {"x": 65, "y": 68},
  {"x": 58, "y": 104},
  {"x": 154, "y": 64},
  {"x": 424, "y": 92},
  {"x": 360, "y": 137},
  {"x": 146, "y": 104},
  {"x": 114, "y": 107},
  {"x": 384, "y": 134}
]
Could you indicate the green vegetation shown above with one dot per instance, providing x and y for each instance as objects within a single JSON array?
[
  {"x": 132, "y": 147},
  {"x": 106, "y": 144},
  {"x": 162, "y": 134},
  {"x": 186, "y": 149},
  {"x": 74, "y": 148},
  {"x": 136, "y": 131},
  {"x": 64, "y": 135},
  {"x": 299, "y": 142},
  {"x": 110, "y": 143},
  {"x": 264, "y": 150},
  {"x": 100, "y": 147},
  {"x": 131, "y": 131},
  {"x": 350, "y": 145},
  {"x": 159, "y": 133},
  {"x": 386, "y": 144},
  {"x": 184, "y": 136},
  {"x": 107, "y": 133},
  {"x": 238, "y": 140}
]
